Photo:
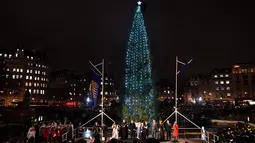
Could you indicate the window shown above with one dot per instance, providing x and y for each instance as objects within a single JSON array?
[
  {"x": 215, "y": 76},
  {"x": 27, "y": 57},
  {"x": 7, "y": 69},
  {"x": 27, "y": 77},
  {"x": 227, "y": 88},
  {"x": 228, "y": 94},
  {"x": 222, "y": 88},
  {"x": 34, "y": 84},
  {"x": 27, "y": 70},
  {"x": 30, "y": 77},
  {"x": 227, "y": 82},
  {"x": 7, "y": 76},
  {"x": 221, "y": 82},
  {"x": 17, "y": 70},
  {"x": 41, "y": 92},
  {"x": 221, "y": 75},
  {"x": 26, "y": 84},
  {"x": 21, "y": 70},
  {"x": 5, "y": 55},
  {"x": 14, "y": 69},
  {"x": 34, "y": 91},
  {"x": 29, "y": 90},
  {"x": 37, "y": 91},
  {"x": 216, "y": 82},
  {"x": 35, "y": 71},
  {"x": 17, "y": 76},
  {"x": 13, "y": 76},
  {"x": 1, "y": 54},
  {"x": 32, "y": 58},
  {"x": 35, "y": 78},
  {"x": 37, "y": 84},
  {"x": 217, "y": 88},
  {"x": 31, "y": 71},
  {"x": 38, "y": 72},
  {"x": 30, "y": 84},
  {"x": 20, "y": 76},
  {"x": 226, "y": 75}
]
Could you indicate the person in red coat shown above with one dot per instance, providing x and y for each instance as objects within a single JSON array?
[
  {"x": 45, "y": 134},
  {"x": 175, "y": 131}
]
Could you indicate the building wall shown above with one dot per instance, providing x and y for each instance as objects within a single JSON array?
[
  {"x": 243, "y": 80},
  {"x": 23, "y": 70}
]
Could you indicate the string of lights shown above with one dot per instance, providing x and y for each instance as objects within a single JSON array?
[{"x": 139, "y": 88}]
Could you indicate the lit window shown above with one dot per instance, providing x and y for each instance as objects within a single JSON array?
[
  {"x": 221, "y": 82},
  {"x": 41, "y": 92},
  {"x": 215, "y": 76},
  {"x": 228, "y": 94},
  {"x": 38, "y": 72},
  {"x": 37, "y": 91},
  {"x": 20, "y": 76},
  {"x": 221, "y": 75},
  {"x": 21, "y": 70},
  {"x": 29, "y": 90},
  {"x": 39, "y": 66},
  {"x": 10, "y": 56},
  {"x": 31, "y": 71},
  {"x": 216, "y": 82},
  {"x": 14, "y": 69},
  {"x": 35, "y": 78},
  {"x": 37, "y": 84},
  {"x": 35, "y": 71},
  {"x": 227, "y": 88},
  {"x": 17, "y": 76},
  {"x": 34, "y": 91},
  {"x": 27, "y": 77},
  {"x": 30, "y": 77},
  {"x": 30, "y": 84},
  {"x": 36, "y": 65},
  {"x": 34, "y": 84},
  {"x": 26, "y": 84},
  {"x": 245, "y": 92},
  {"x": 106, "y": 93},
  {"x": 210, "y": 93},
  {"x": 17, "y": 70},
  {"x": 226, "y": 75},
  {"x": 217, "y": 88},
  {"x": 1, "y": 54},
  {"x": 5, "y": 55},
  {"x": 7, "y": 69},
  {"x": 16, "y": 55},
  {"x": 27, "y": 57},
  {"x": 227, "y": 82},
  {"x": 27, "y": 70},
  {"x": 32, "y": 58},
  {"x": 7, "y": 76},
  {"x": 252, "y": 70},
  {"x": 222, "y": 88}
]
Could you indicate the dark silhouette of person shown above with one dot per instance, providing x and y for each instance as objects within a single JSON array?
[{"x": 132, "y": 128}]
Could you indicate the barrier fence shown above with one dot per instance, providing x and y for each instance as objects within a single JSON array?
[{"x": 184, "y": 133}]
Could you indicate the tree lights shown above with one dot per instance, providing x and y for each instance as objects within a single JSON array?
[{"x": 139, "y": 86}]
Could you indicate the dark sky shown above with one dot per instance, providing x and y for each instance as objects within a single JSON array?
[{"x": 216, "y": 33}]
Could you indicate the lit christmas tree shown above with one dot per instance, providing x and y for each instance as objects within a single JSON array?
[{"x": 139, "y": 86}]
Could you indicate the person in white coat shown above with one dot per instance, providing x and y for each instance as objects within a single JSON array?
[
  {"x": 115, "y": 132},
  {"x": 31, "y": 135}
]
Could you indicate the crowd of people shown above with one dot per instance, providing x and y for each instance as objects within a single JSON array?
[
  {"x": 139, "y": 130},
  {"x": 49, "y": 132}
]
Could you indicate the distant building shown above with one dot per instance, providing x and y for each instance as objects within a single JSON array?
[
  {"x": 164, "y": 90},
  {"x": 221, "y": 86},
  {"x": 215, "y": 87},
  {"x": 23, "y": 70},
  {"x": 243, "y": 80},
  {"x": 68, "y": 86}
]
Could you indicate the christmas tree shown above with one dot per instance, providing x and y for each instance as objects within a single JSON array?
[{"x": 139, "y": 85}]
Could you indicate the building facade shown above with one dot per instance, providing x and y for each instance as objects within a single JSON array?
[
  {"x": 23, "y": 70},
  {"x": 243, "y": 80}
]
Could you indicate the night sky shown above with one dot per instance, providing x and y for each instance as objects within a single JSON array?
[{"x": 216, "y": 33}]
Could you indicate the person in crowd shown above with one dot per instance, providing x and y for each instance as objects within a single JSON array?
[
  {"x": 154, "y": 128},
  {"x": 124, "y": 130},
  {"x": 115, "y": 133},
  {"x": 138, "y": 130},
  {"x": 168, "y": 128},
  {"x": 143, "y": 133},
  {"x": 132, "y": 129},
  {"x": 31, "y": 134},
  {"x": 96, "y": 129},
  {"x": 175, "y": 131},
  {"x": 146, "y": 125},
  {"x": 161, "y": 130},
  {"x": 104, "y": 128}
]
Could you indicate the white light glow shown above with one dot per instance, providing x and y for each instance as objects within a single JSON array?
[
  {"x": 88, "y": 100},
  {"x": 139, "y": 3}
]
